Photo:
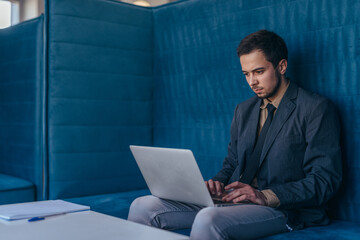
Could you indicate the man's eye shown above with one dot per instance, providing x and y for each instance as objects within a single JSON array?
[
  {"x": 246, "y": 74},
  {"x": 259, "y": 72}
]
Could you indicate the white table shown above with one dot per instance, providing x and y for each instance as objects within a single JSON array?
[{"x": 80, "y": 226}]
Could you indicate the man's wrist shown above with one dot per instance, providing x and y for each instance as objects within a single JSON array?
[
  {"x": 270, "y": 198},
  {"x": 263, "y": 197}
]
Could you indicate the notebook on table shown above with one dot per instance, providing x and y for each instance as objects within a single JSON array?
[{"x": 38, "y": 209}]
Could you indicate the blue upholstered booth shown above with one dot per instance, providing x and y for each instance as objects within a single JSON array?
[
  {"x": 21, "y": 91},
  {"x": 99, "y": 101},
  {"x": 116, "y": 74},
  {"x": 198, "y": 80}
]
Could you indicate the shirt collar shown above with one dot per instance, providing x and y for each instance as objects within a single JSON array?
[{"x": 276, "y": 101}]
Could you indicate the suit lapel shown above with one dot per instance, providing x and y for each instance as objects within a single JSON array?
[{"x": 284, "y": 111}]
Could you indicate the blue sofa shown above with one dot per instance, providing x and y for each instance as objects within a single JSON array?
[{"x": 91, "y": 77}]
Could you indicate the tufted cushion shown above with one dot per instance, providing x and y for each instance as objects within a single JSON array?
[
  {"x": 99, "y": 95},
  {"x": 198, "y": 79},
  {"x": 21, "y": 102}
]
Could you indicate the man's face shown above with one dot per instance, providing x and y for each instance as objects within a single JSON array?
[{"x": 260, "y": 74}]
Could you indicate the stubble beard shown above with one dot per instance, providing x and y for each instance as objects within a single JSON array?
[{"x": 276, "y": 88}]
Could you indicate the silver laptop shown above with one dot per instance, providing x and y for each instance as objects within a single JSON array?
[{"x": 173, "y": 174}]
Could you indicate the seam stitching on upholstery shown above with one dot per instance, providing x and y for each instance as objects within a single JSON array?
[
  {"x": 147, "y": 51},
  {"x": 98, "y": 20},
  {"x": 87, "y": 71}
]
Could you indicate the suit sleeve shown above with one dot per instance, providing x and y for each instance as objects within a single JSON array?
[
  {"x": 230, "y": 162},
  {"x": 322, "y": 165}
]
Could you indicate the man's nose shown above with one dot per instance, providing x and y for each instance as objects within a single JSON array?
[{"x": 253, "y": 80}]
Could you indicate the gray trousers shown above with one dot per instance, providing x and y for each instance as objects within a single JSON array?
[{"x": 246, "y": 221}]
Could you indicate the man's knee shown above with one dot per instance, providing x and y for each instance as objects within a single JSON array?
[
  {"x": 207, "y": 224},
  {"x": 207, "y": 216},
  {"x": 142, "y": 209}
]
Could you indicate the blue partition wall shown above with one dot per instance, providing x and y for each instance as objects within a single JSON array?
[
  {"x": 99, "y": 99},
  {"x": 21, "y": 91},
  {"x": 198, "y": 79}
]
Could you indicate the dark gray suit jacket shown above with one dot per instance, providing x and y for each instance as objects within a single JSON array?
[{"x": 301, "y": 158}]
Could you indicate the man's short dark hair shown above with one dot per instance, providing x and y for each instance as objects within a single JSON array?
[{"x": 271, "y": 44}]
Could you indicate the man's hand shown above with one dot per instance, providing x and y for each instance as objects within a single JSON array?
[
  {"x": 215, "y": 187},
  {"x": 243, "y": 192}
]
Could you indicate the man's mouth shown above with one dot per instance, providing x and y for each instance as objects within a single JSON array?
[{"x": 257, "y": 90}]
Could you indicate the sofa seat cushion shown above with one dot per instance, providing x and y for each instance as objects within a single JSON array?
[
  {"x": 339, "y": 230},
  {"x": 115, "y": 204},
  {"x": 15, "y": 190}
]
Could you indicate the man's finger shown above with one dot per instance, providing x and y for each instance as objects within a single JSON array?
[
  {"x": 234, "y": 194},
  {"x": 212, "y": 187},
  {"x": 240, "y": 199},
  {"x": 235, "y": 185},
  {"x": 219, "y": 187}
]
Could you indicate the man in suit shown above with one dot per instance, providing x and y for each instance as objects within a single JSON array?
[{"x": 283, "y": 157}]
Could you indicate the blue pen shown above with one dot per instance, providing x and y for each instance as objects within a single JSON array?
[{"x": 36, "y": 219}]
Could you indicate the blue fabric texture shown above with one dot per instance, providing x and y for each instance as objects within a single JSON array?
[
  {"x": 15, "y": 190},
  {"x": 100, "y": 57},
  {"x": 115, "y": 204},
  {"x": 21, "y": 76}
]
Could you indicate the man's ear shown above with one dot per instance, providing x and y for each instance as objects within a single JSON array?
[{"x": 283, "y": 66}]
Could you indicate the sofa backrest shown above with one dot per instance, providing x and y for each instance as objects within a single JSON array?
[
  {"x": 198, "y": 79},
  {"x": 99, "y": 98},
  {"x": 21, "y": 92}
]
